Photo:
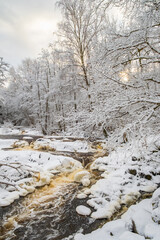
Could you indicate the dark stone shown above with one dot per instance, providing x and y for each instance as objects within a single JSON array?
[
  {"x": 155, "y": 173},
  {"x": 134, "y": 159},
  {"x": 146, "y": 176},
  {"x": 132, "y": 171}
]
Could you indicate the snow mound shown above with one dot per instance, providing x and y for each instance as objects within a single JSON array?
[
  {"x": 83, "y": 177},
  {"x": 20, "y": 144},
  {"x": 135, "y": 224},
  {"x": 82, "y": 210},
  {"x": 81, "y": 196},
  {"x": 104, "y": 208},
  {"x": 62, "y": 146}
]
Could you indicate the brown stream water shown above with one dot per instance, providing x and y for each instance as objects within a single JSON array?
[{"x": 49, "y": 213}]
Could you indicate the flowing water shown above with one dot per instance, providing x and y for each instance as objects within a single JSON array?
[{"x": 47, "y": 214}]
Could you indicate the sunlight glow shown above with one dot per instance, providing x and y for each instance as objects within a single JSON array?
[
  {"x": 124, "y": 77},
  {"x": 115, "y": 13},
  {"x": 41, "y": 25}
]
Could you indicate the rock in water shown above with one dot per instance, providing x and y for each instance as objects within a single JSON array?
[{"x": 82, "y": 210}]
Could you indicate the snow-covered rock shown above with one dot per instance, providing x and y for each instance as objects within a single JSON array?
[
  {"x": 81, "y": 196},
  {"x": 152, "y": 231},
  {"x": 20, "y": 144},
  {"x": 135, "y": 224},
  {"x": 126, "y": 174},
  {"x": 82, "y": 210},
  {"x": 85, "y": 181},
  {"x": 69, "y": 164},
  {"x": 104, "y": 209},
  {"x": 87, "y": 191},
  {"x": 83, "y": 177}
]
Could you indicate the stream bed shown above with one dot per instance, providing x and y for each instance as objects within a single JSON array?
[{"x": 49, "y": 213}]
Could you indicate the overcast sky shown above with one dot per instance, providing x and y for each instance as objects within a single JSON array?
[{"x": 26, "y": 26}]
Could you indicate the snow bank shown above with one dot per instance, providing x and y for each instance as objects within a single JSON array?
[
  {"x": 131, "y": 236},
  {"x": 63, "y": 146},
  {"x": 22, "y": 171},
  {"x": 127, "y": 173},
  {"x": 11, "y": 130},
  {"x": 156, "y": 206},
  {"x": 135, "y": 224},
  {"x": 6, "y": 143},
  {"x": 8, "y": 131}
]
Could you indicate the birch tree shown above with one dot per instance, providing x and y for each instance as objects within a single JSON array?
[{"x": 81, "y": 25}]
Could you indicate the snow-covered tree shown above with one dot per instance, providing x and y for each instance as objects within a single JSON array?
[
  {"x": 128, "y": 64},
  {"x": 102, "y": 73},
  {"x": 3, "y": 70}
]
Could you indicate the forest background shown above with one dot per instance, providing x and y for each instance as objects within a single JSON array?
[{"x": 100, "y": 75}]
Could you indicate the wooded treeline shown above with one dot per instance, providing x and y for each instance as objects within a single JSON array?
[{"x": 102, "y": 73}]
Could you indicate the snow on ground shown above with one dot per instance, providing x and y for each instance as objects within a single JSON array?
[
  {"x": 10, "y": 130},
  {"x": 130, "y": 170},
  {"x": 6, "y": 143},
  {"x": 63, "y": 146},
  {"x": 22, "y": 171},
  {"x": 136, "y": 224},
  {"x": 127, "y": 172}
]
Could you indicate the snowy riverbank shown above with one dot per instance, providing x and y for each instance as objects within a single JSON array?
[
  {"x": 140, "y": 222},
  {"x": 130, "y": 171}
]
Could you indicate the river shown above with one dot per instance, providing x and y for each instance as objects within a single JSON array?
[{"x": 49, "y": 213}]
